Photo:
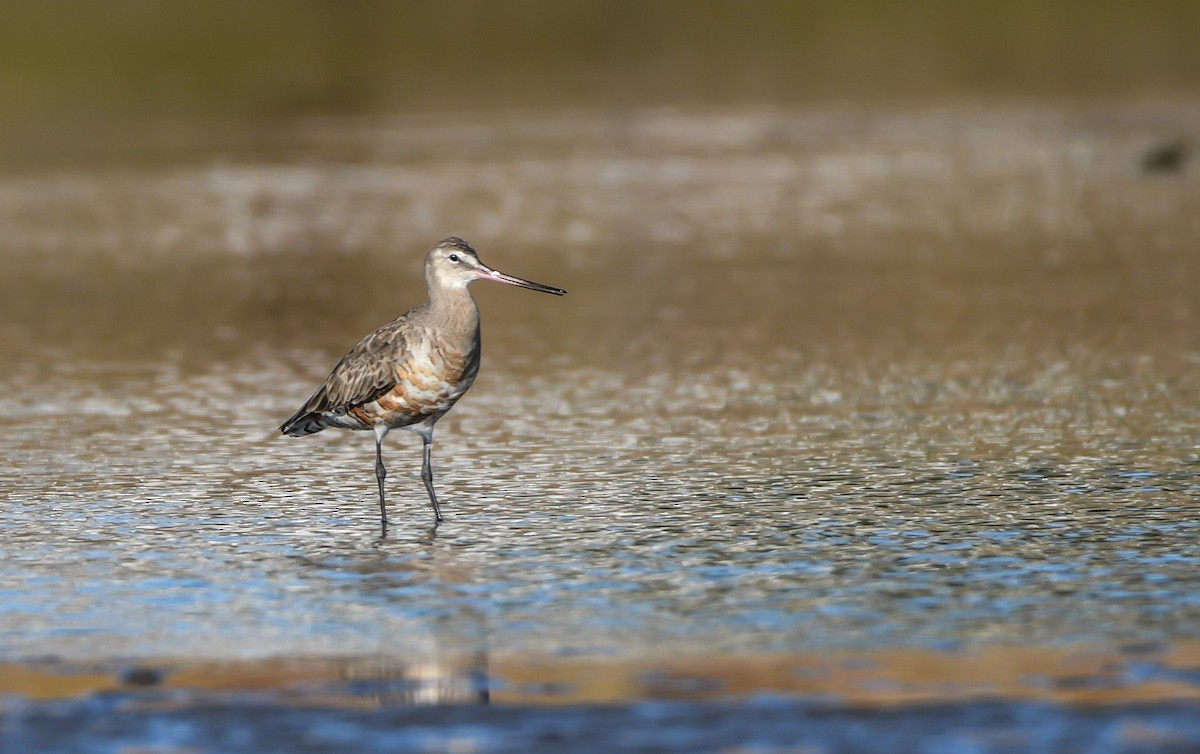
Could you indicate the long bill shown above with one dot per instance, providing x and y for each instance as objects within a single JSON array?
[{"x": 487, "y": 273}]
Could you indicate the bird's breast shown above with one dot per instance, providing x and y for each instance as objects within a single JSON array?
[{"x": 428, "y": 382}]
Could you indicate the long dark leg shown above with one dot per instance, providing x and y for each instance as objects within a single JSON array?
[
  {"x": 427, "y": 473},
  {"x": 380, "y": 474}
]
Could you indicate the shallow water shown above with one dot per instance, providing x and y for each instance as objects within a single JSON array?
[
  {"x": 824, "y": 381},
  {"x": 740, "y": 518}
]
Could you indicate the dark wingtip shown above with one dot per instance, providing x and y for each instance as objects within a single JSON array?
[{"x": 301, "y": 425}]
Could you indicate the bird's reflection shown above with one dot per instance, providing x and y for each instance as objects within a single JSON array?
[
  {"x": 389, "y": 683},
  {"x": 451, "y": 664}
]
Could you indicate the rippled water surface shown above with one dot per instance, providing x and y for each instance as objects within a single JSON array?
[{"x": 824, "y": 381}]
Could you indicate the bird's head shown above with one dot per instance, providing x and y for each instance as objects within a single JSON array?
[{"x": 454, "y": 263}]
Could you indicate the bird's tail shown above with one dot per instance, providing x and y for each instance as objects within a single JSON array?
[{"x": 302, "y": 423}]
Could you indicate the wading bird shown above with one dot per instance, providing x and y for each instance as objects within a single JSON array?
[{"x": 410, "y": 372}]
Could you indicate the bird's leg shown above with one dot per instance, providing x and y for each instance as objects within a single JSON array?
[
  {"x": 380, "y": 471},
  {"x": 427, "y": 473}
]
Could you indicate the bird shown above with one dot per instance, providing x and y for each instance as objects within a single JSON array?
[
  {"x": 1165, "y": 157},
  {"x": 408, "y": 373}
]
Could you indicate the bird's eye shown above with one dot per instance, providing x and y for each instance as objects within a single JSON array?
[{"x": 453, "y": 257}]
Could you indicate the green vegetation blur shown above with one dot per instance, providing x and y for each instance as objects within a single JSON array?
[{"x": 120, "y": 59}]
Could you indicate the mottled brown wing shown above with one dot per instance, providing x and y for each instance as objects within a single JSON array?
[{"x": 362, "y": 375}]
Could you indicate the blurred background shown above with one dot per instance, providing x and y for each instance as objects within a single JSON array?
[
  {"x": 876, "y": 384},
  {"x": 74, "y": 72}
]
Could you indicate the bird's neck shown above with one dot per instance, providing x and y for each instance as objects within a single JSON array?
[{"x": 454, "y": 309}]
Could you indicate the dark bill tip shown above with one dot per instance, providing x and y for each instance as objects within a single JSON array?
[{"x": 500, "y": 277}]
